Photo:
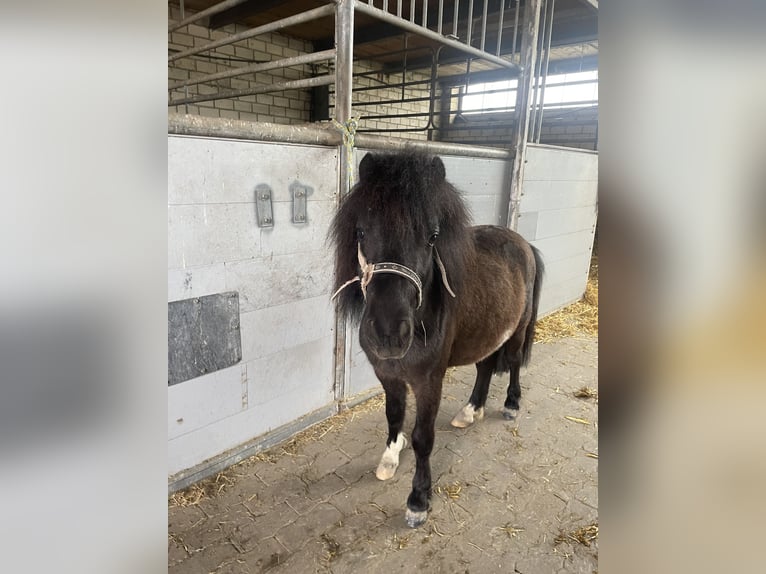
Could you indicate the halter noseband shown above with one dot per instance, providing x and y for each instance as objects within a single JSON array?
[{"x": 369, "y": 269}]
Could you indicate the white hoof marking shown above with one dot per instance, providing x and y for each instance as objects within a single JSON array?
[
  {"x": 389, "y": 462},
  {"x": 466, "y": 416},
  {"x": 415, "y": 519}
]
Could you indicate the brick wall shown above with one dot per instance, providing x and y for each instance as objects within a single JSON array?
[
  {"x": 576, "y": 127},
  {"x": 378, "y": 80},
  {"x": 288, "y": 107}
]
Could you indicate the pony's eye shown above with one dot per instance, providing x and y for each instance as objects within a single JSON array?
[
  {"x": 432, "y": 239},
  {"x": 359, "y": 234}
]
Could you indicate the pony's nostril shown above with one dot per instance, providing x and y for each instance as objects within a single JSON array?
[{"x": 404, "y": 330}]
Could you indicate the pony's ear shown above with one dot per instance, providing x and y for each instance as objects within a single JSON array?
[
  {"x": 439, "y": 173},
  {"x": 366, "y": 166}
]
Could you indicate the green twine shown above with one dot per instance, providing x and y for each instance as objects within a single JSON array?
[{"x": 348, "y": 130}]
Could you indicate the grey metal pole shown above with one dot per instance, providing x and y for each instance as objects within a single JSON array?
[
  {"x": 483, "y": 25},
  {"x": 500, "y": 28},
  {"x": 454, "y": 19},
  {"x": 538, "y": 71},
  {"x": 344, "y": 77},
  {"x": 264, "y": 89},
  {"x": 549, "y": 34},
  {"x": 470, "y": 22},
  {"x": 528, "y": 56},
  {"x": 431, "y": 35},
  {"x": 441, "y": 15},
  {"x": 515, "y": 29},
  {"x": 282, "y": 63},
  {"x": 258, "y": 30},
  {"x": 214, "y": 9}
]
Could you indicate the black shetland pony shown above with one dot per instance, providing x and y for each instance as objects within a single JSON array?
[{"x": 430, "y": 292}]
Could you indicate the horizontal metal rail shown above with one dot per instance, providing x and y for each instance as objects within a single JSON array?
[
  {"x": 279, "y": 87},
  {"x": 215, "y": 9},
  {"x": 314, "y": 134},
  {"x": 426, "y": 33},
  {"x": 314, "y": 14},
  {"x": 262, "y": 67}
]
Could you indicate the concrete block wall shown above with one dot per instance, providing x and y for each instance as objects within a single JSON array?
[
  {"x": 573, "y": 127},
  {"x": 379, "y": 80},
  {"x": 288, "y": 107}
]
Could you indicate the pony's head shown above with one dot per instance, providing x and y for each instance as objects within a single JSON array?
[{"x": 401, "y": 212}]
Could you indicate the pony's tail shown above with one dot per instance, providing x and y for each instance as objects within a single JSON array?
[{"x": 529, "y": 336}]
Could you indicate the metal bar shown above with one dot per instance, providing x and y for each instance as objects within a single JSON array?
[
  {"x": 469, "y": 22},
  {"x": 258, "y": 30},
  {"x": 280, "y": 87},
  {"x": 454, "y": 19},
  {"x": 500, "y": 28},
  {"x": 483, "y": 25},
  {"x": 312, "y": 134},
  {"x": 419, "y": 30},
  {"x": 549, "y": 33},
  {"x": 515, "y": 30},
  {"x": 527, "y": 58},
  {"x": 282, "y": 63},
  {"x": 412, "y": 11},
  {"x": 425, "y": 14},
  {"x": 387, "y": 86},
  {"x": 385, "y": 5},
  {"x": 538, "y": 71},
  {"x": 215, "y": 9},
  {"x": 399, "y": 8},
  {"x": 186, "y": 90},
  {"x": 441, "y": 16},
  {"x": 344, "y": 82}
]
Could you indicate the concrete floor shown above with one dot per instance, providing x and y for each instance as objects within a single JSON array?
[{"x": 508, "y": 496}]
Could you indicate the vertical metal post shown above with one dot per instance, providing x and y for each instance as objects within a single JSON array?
[
  {"x": 500, "y": 28},
  {"x": 515, "y": 30},
  {"x": 425, "y": 14},
  {"x": 186, "y": 88},
  {"x": 399, "y": 8},
  {"x": 344, "y": 68},
  {"x": 412, "y": 11},
  {"x": 469, "y": 22},
  {"x": 538, "y": 73},
  {"x": 528, "y": 55},
  {"x": 544, "y": 79},
  {"x": 483, "y": 25},
  {"x": 454, "y": 18},
  {"x": 441, "y": 15}
]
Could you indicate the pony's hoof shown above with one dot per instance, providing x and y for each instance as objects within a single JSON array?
[
  {"x": 390, "y": 459},
  {"x": 414, "y": 518},
  {"x": 510, "y": 414},
  {"x": 467, "y": 416},
  {"x": 386, "y": 470}
]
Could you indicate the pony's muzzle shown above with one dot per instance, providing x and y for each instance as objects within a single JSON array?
[{"x": 388, "y": 338}]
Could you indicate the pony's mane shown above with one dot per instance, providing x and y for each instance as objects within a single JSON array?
[{"x": 411, "y": 189}]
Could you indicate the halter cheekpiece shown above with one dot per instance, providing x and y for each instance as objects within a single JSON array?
[{"x": 368, "y": 270}]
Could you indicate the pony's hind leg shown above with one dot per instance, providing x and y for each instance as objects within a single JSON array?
[
  {"x": 396, "y": 397},
  {"x": 515, "y": 356},
  {"x": 474, "y": 409}
]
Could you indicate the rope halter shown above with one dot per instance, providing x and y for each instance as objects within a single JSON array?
[{"x": 368, "y": 270}]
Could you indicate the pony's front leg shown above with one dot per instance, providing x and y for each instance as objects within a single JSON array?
[
  {"x": 427, "y": 396},
  {"x": 396, "y": 397}
]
